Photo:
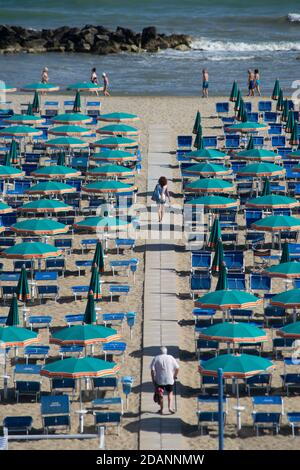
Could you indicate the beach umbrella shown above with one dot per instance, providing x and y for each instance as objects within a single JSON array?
[
  {"x": 61, "y": 161},
  {"x": 234, "y": 92},
  {"x": 266, "y": 190},
  {"x": 259, "y": 155},
  {"x": 276, "y": 223},
  {"x": 214, "y": 202},
  {"x": 55, "y": 171},
  {"x": 115, "y": 142},
  {"x": 261, "y": 169},
  {"x": 44, "y": 87},
  {"x": 114, "y": 156},
  {"x": 4, "y": 88},
  {"x": 11, "y": 156},
  {"x": 292, "y": 330},
  {"x": 69, "y": 130},
  {"x": 238, "y": 101},
  {"x": 288, "y": 270},
  {"x": 16, "y": 336},
  {"x": 66, "y": 142},
  {"x": 198, "y": 142},
  {"x": 85, "y": 86},
  {"x": 228, "y": 299},
  {"x": 13, "y": 314},
  {"x": 250, "y": 145},
  {"x": 222, "y": 283},
  {"x": 72, "y": 119},
  {"x": 110, "y": 170},
  {"x": 294, "y": 140},
  {"x": 36, "y": 103},
  {"x": 276, "y": 90},
  {"x": 26, "y": 119},
  {"x": 285, "y": 255},
  {"x": 247, "y": 126},
  {"x": 296, "y": 169},
  {"x": 94, "y": 224},
  {"x": 118, "y": 129},
  {"x": 90, "y": 316},
  {"x": 285, "y": 111},
  {"x": 23, "y": 293},
  {"x": 218, "y": 258},
  {"x": 95, "y": 286},
  {"x": 241, "y": 111},
  {"x": 9, "y": 172},
  {"x": 287, "y": 299},
  {"x": 290, "y": 122},
  {"x": 279, "y": 105},
  {"x": 31, "y": 250},
  {"x": 51, "y": 187},
  {"x": 39, "y": 227},
  {"x": 75, "y": 368},
  {"x": 98, "y": 258},
  {"x": 77, "y": 103},
  {"x": 20, "y": 131},
  {"x": 273, "y": 201},
  {"x": 215, "y": 234},
  {"x": 108, "y": 186},
  {"x": 295, "y": 154},
  {"x": 29, "y": 111},
  {"x": 4, "y": 208},
  {"x": 231, "y": 332},
  {"x": 197, "y": 122},
  {"x": 84, "y": 335},
  {"x": 210, "y": 185},
  {"x": 207, "y": 169},
  {"x": 118, "y": 117},
  {"x": 207, "y": 154},
  {"x": 45, "y": 206}
]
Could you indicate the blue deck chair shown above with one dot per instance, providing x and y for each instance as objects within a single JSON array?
[
  {"x": 234, "y": 260},
  {"x": 209, "y": 382},
  {"x": 277, "y": 314},
  {"x": 48, "y": 292},
  {"x": 270, "y": 116},
  {"x": 241, "y": 314},
  {"x": 207, "y": 417},
  {"x": 58, "y": 264},
  {"x": 106, "y": 384},
  {"x": 282, "y": 344},
  {"x": 22, "y": 424},
  {"x": 275, "y": 129},
  {"x": 28, "y": 388},
  {"x": 115, "y": 348},
  {"x": 46, "y": 276},
  {"x": 199, "y": 283},
  {"x": 248, "y": 106},
  {"x": 222, "y": 108},
  {"x": 265, "y": 419},
  {"x": 278, "y": 141},
  {"x": 88, "y": 243},
  {"x": 7, "y": 242},
  {"x": 80, "y": 163},
  {"x": 79, "y": 291},
  {"x": 258, "y": 141},
  {"x": 294, "y": 251},
  {"x": 293, "y": 418},
  {"x": 184, "y": 141},
  {"x": 107, "y": 402},
  {"x": 236, "y": 281},
  {"x": 252, "y": 216},
  {"x": 108, "y": 418},
  {"x": 200, "y": 260},
  {"x": 8, "y": 292},
  {"x": 83, "y": 265},
  {"x": 118, "y": 290},
  {"x": 259, "y": 282},
  {"x": 19, "y": 264},
  {"x": 227, "y": 120},
  {"x": 72, "y": 350},
  {"x": 74, "y": 319},
  {"x": 232, "y": 141},
  {"x": 253, "y": 238},
  {"x": 284, "y": 151},
  {"x": 113, "y": 318},
  {"x": 206, "y": 346},
  {"x": 264, "y": 106},
  {"x": 37, "y": 352},
  {"x": 258, "y": 382},
  {"x": 63, "y": 385},
  {"x": 290, "y": 380},
  {"x": 55, "y": 411},
  {"x": 253, "y": 117},
  {"x": 65, "y": 244},
  {"x": 203, "y": 313},
  {"x": 39, "y": 321},
  {"x": 210, "y": 141}
]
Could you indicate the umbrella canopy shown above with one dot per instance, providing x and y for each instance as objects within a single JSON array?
[
  {"x": 46, "y": 206},
  {"x": 294, "y": 140},
  {"x": 84, "y": 335},
  {"x": 84, "y": 86},
  {"x": 16, "y": 336},
  {"x": 214, "y": 202},
  {"x": 279, "y": 104},
  {"x": 61, "y": 160},
  {"x": 207, "y": 169},
  {"x": 20, "y": 131},
  {"x": 45, "y": 87},
  {"x": 75, "y": 368},
  {"x": 115, "y": 142},
  {"x": 290, "y": 122},
  {"x": 266, "y": 190},
  {"x": 261, "y": 169},
  {"x": 13, "y": 314},
  {"x": 295, "y": 154},
  {"x": 77, "y": 103},
  {"x": 114, "y": 156},
  {"x": 108, "y": 186},
  {"x": 72, "y": 118},
  {"x": 290, "y": 331},
  {"x": 39, "y": 227},
  {"x": 4, "y": 88},
  {"x": 285, "y": 255},
  {"x": 12, "y": 155},
  {"x": 250, "y": 145},
  {"x": 110, "y": 170},
  {"x": 287, "y": 299},
  {"x": 118, "y": 117},
  {"x": 118, "y": 129},
  {"x": 95, "y": 286},
  {"x": 197, "y": 122},
  {"x": 210, "y": 185},
  {"x": 90, "y": 316},
  {"x": 93, "y": 224},
  {"x": 215, "y": 234},
  {"x": 56, "y": 171},
  {"x": 230, "y": 332},
  {"x": 198, "y": 142},
  {"x": 234, "y": 92},
  {"x": 36, "y": 103},
  {"x": 4, "y": 208},
  {"x": 237, "y": 366},
  {"x": 285, "y": 111},
  {"x": 51, "y": 187},
  {"x": 31, "y": 250},
  {"x": 24, "y": 119},
  {"x": 69, "y": 130},
  {"x": 276, "y": 223},
  {"x": 23, "y": 293},
  {"x": 222, "y": 283},
  {"x": 228, "y": 299},
  {"x": 66, "y": 142},
  {"x": 276, "y": 90},
  {"x": 273, "y": 202},
  {"x": 218, "y": 258},
  {"x": 247, "y": 126},
  {"x": 259, "y": 155},
  {"x": 98, "y": 258},
  {"x": 9, "y": 172},
  {"x": 288, "y": 270},
  {"x": 210, "y": 154}
]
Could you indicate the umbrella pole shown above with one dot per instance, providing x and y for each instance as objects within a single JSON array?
[{"x": 220, "y": 409}]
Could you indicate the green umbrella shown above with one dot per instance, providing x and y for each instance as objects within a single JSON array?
[
  {"x": 279, "y": 105},
  {"x": 46, "y": 87},
  {"x": 290, "y": 331},
  {"x": 98, "y": 258},
  {"x": 110, "y": 170},
  {"x": 118, "y": 129},
  {"x": 69, "y": 130},
  {"x": 36, "y": 103},
  {"x": 39, "y": 227},
  {"x": 228, "y": 299},
  {"x": 208, "y": 185},
  {"x": 198, "y": 142},
  {"x": 257, "y": 155},
  {"x": 31, "y": 250},
  {"x": 95, "y": 286},
  {"x": 250, "y": 145},
  {"x": 197, "y": 122},
  {"x": 290, "y": 122},
  {"x": 234, "y": 92},
  {"x": 222, "y": 283},
  {"x": 74, "y": 368},
  {"x": 61, "y": 161},
  {"x": 84, "y": 86},
  {"x": 16, "y": 336},
  {"x": 118, "y": 117},
  {"x": 115, "y": 142},
  {"x": 230, "y": 332},
  {"x": 12, "y": 156},
  {"x": 276, "y": 90},
  {"x": 235, "y": 365},
  {"x": 266, "y": 190},
  {"x": 90, "y": 316},
  {"x": 108, "y": 186},
  {"x": 215, "y": 234},
  {"x": 77, "y": 103},
  {"x": 72, "y": 118},
  {"x": 209, "y": 154},
  {"x": 287, "y": 270},
  {"x": 261, "y": 169},
  {"x": 45, "y": 206},
  {"x": 66, "y": 142},
  {"x": 23, "y": 292},
  {"x": 295, "y": 154},
  {"x": 84, "y": 335},
  {"x": 51, "y": 187},
  {"x": 4, "y": 208},
  {"x": 13, "y": 314},
  {"x": 273, "y": 202},
  {"x": 294, "y": 140},
  {"x": 285, "y": 255},
  {"x": 214, "y": 202},
  {"x": 207, "y": 169},
  {"x": 114, "y": 156},
  {"x": 21, "y": 131},
  {"x": 4, "y": 88},
  {"x": 238, "y": 101},
  {"x": 285, "y": 111},
  {"x": 287, "y": 299},
  {"x": 276, "y": 223},
  {"x": 93, "y": 224},
  {"x": 248, "y": 126},
  {"x": 241, "y": 111},
  {"x": 56, "y": 171},
  {"x": 29, "y": 111},
  {"x": 9, "y": 172},
  {"x": 218, "y": 258}
]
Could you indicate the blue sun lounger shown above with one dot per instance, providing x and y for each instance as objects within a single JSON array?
[
  {"x": 293, "y": 418},
  {"x": 207, "y": 417},
  {"x": 55, "y": 411},
  {"x": 108, "y": 418},
  {"x": 267, "y": 419},
  {"x": 21, "y": 424}
]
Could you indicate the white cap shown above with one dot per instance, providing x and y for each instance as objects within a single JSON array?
[
  {"x": 104, "y": 74},
  {"x": 46, "y": 69}
]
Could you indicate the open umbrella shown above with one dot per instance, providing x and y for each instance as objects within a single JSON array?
[
  {"x": 207, "y": 169},
  {"x": 294, "y": 140},
  {"x": 95, "y": 286},
  {"x": 207, "y": 154},
  {"x": 90, "y": 317},
  {"x": 72, "y": 119},
  {"x": 214, "y": 202},
  {"x": 276, "y": 223},
  {"x": 4, "y": 208},
  {"x": 95, "y": 224},
  {"x": 228, "y": 299},
  {"x": 4, "y": 88},
  {"x": 288, "y": 270},
  {"x": 55, "y": 171},
  {"x": 66, "y": 142},
  {"x": 247, "y": 126},
  {"x": 51, "y": 187},
  {"x": 260, "y": 155},
  {"x": 231, "y": 332},
  {"x": 261, "y": 169},
  {"x": 20, "y": 131},
  {"x": 117, "y": 129},
  {"x": 12, "y": 156},
  {"x": 218, "y": 258},
  {"x": 290, "y": 122},
  {"x": 98, "y": 258},
  {"x": 74, "y": 368},
  {"x": 45, "y": 87},
  {"x": 23, "y": 293},
  {"x": 9, "y": 172},
  {"x": 266, "y": 190},
  {"x": 46, "y": 206},
  {"x": 84, "y": 335},
  {"x": 197, "y": 122},
  {"x": 69, "y": 130},
  {"x": 273, "y": 201},
  {"x": 292, "y": 330},
  {"x": 26, "y": 119},
  {"x": 222, "y": 283},
  {"x": 77, "y": 103},
  {"x": 234, "y": 92},
  {"x": 279, "y": 104},
  {"x": 215, "y": 234},
  {"x": 31, "y": 250},
  {"x": 276, "y": 90},
  {"x": 287, "y": 299},
  {"x": 285, "y": 111},
  {"x": 118, "y": 156},
  {"x": 108, "y": 186},
  {"x": 39, "y": 227},
  {"x": 115, "y": 142},
  {"x": 36, "y": 103},
  {"x": 16, "y": 336},
  {"x": 210, "y": 185},
  {"x": 13, "y": 314},
  {"x": 110, "y": 170},
  {"x": 85, "y": 86},
  {"x": 118, "y": 117},
  {"x": 285, "y": 255}
]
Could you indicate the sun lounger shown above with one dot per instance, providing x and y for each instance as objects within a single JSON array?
[
  {"x": 234, "y": 260},
  {"x": 65, "y": 244},
  {"x": 36, "y": 352},
  {"x": 124, "y": 244},
  {"x": 48, "y": 292},
  {"x": 58, "y": 264},
  {"x": 258, "y": 382},
  {"x": 282, "y": 344},
  {"x": 293, "y": 418},
  {"x": 117, "y": 290},
  {"x": 20, "y": 424},
  {"x": 207, "y": 417},
  {"x": 222, "y": 108},
  {"x": 290, "y": 380},
  {"x": 55, "y": 411},
  {"x": 236, "y": 281},
  {"x": 107, "y": 402},
  {"x": 79, "y": 291},
  {"x": 107, "y": 419},
  {"x": 81, "y": 265},
  {"x": 201, "y": 260},
  {"x": 264, "y": 106},
  {"x": 203, "y": 345},
  {"x": 203, "y": 313},
  {"x": 69, "y": 351},
  {"x": 73, "y": 319},
  {"x": 199, "y": 283},
  {"x": 238, "y": 314},
  {"x": 28, "y": 388},
  {"x": 267, "y": 419},
  {"x": 184, "y": 142},
  {"x": 105, "y": 384},
  {"x": 115, "y": 348},
  {"x": 4, "y": 439},
  {"x": 87, "y": 244},
  {"x": 260, "y": 282},
  {"x": 63, "y": 385},
  {"x": 113, "y": 318}
]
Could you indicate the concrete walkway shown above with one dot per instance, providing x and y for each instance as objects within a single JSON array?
[{"x": 160, "y": 320}]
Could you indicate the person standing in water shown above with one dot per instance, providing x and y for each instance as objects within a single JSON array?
[
  {"x": 204, "y": 83},
  {"x": 257, "y": 81},
  {"x": 45, "y": 75},
  {"x": 105, "y": 84},
  {"x": 94, "y": 78},
  {"x": 251, "y": 83}
]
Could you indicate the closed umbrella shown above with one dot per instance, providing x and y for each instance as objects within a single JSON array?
[
  {"x": 90, "y": 316},
  {"x": 290, "y": 122},
  {"x": 285, "y": 111},
  {"x": 23, "y": 293},
  {"x": 36, "y": 103},
  {"x": 77, "y": 103},
  {"x": 250, "y": 145},
  {"x": 276, "y": 90},
  {"x": 266, "y": 190},
  {"x": 198, "y": 142},
  {"x": 61, "y": 161},
  {"x": 222, "y": 283},
  {"x": 13, "y": 314},
  {"x": 218, "y": 258},
  {"x": 285, "y": 255},
  {"x": 197, "y": 122},
  {"x": 12, "y": 156},
  {"x": 279, "y": 105},
  {"x": 241, "y": 111},
  {"x": 234, "y": 92},
  {"x": 95, "y": 286},
  {"x": 215, "y": 234},
  {"x": 294, "y": 140},
  {"x": 237, "y": 101},
  {"x": 98, "y": 258}
]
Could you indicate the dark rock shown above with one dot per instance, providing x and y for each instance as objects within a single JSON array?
[{"x": 148, "y": 34}]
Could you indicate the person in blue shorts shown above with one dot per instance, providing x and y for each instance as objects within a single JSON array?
[{"x": 204, "y": 83}]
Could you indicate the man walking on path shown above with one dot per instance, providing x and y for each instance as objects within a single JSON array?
[{"x": 164, "y": 371}]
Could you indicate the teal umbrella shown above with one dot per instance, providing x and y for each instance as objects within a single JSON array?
[
  {"x": 285, "y": 111},
  {"x": 294, "y": 140},
  {"x": 76, "y": 368},
  {"x": 228, "y": 299},
  {"x": 290, "y": 122},
  {"x": 118, "y": 129},
  {"x": 276, "y": 90},
  {"x": 61, "y": 161},
  {"x": 288, "y": 270},
  {"x": 55, "y": 171},
  {"x": 273, "y": 201},
  {"x": 84, "y": 86},
  {"x": 250, "y": 145},
  {"x": 95, "y": 224},
  {"x": 210, "y": 185},
  {"x": 248, "y": 126},
  {"x": 115, "y": 142},
  {"x": 206, "y": 154},
  {"x": 214, "y": 202},
  {"x": 279, "y": 105},
  {"x": 238, "y": 101},
  {"x": 234, "y": 92},
  {"x": 20, "y": 131},
  {"x": 36, "y": 103},
  {"x": 95, "y": 286},
  {"x": 77, "y": 103},
  {"x": 51, "y": 187},
  {"x": 90, "y": 316},
  {"x": 260, "y": 155},
  {"x": 218, "y": 258},
  {"x": 290, "y": 331},
  {"x": 45, "y": 87},
  {"x": 266, "y": 190},
  {"x": 207, "y": 169},
  {"x": 197, "y": 122},
  {"x": 72, "y": 119},
  {"x": 287, "y": 299},
  {"x": 13, "y": 314},
  {"x": 69, "y": 130},
  {"x": 98, "y": 258},
  {"x": 23, "y": 292},
  {"x": 108, "y": 186},
  {"x": 215, "y": 234},
  {"x": 66, "y": 142},
  {"x": 198, "y": 142},
  {"x": 237, "y": 366},
  {"x": 39, "y": 227},
  {"x": 261, "y": 169},
  {"x": 285, "y": 255},
  {"x": 119, "y": 156},
  {"x": 84, "y": 335},
  {"x": 29, "y": 111},
  {"x": 110, "y": 170},
  {"x": 230, "y": 332},
  {"x": 118, "y": 117},
  {"x": 222, "y": 283},
  {"x": 276, "y": 223},
  {"x": 241, "y": 111},
  {"x": 12, "y": 156}
]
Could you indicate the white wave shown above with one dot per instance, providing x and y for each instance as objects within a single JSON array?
[
  {"x": 294, "y": 17},
  {"x": 223, "y": 58},
  {"x": 204, "y": 44}
]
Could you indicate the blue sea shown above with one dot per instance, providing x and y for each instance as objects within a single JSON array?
[{"x": 229, "y": 37}]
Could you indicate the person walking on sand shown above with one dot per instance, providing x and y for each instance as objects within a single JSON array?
[
  {"x": 257, "y": 81},
  {"x": 164, "y": 371},
  {"x": 160, "y": 195},
  {"x": 251, "y": 83},
  {"x": 94, "y": 78},
  {"x": 205, "y": 83},
  {"x": 105, "y": 84},
  {"x": 45, "y": 75}
]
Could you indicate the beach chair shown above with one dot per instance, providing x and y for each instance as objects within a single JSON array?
[
  {"x": 251, "y": 217},
  {"x": 264, "y": 106},
  {"x": 290, "y": 380},
  {"x": 124, "y": 244},
  {"x": 201, "y": 260},
  {"x": 206, "y": 346},
  {"x": 79, "y": 291},
  {"x": 82, "y": 265},
  {"x": 93, "y": 108},
  {"x": 210, "y": 141},
  {"x": 275, "y": 129},
  {"x": 254, "y": 238},
  {"x": 199, "y": 283},
  {"x": 55, "y": 412},
  {"x": 46, "y": 276},
  {"x": 107, "y": 402},
  {"x": 70, "y": 351},
  {"x": 39, "y": 321},
  {"x": 242, "y": 314},
  {"x": 20, "y": 424},
  {"x": 270, "y": 117},
  {"x": 4, "y": 439},
  {"x": 258, "y": 382},
  {"x": 88, "y": 243},
  {"x": 107, "y": 418},
  {"x": 113, "y": 319},
  {"x": 19, "y": 264},
  {"x": 7, "y": 242},
  {"x": 207, "y": 417},
  {"x": 48, "y": 292},
  {"x": 260, "y": 282},
  {"x": 51, "y": 108},
  {"x": 282, "y": 344},
  {"x": 232, "y": 141},
  {"x": 117, "y": 290},
  {"x": 278, "y": 141},
  {"x": 277, "y": 314},
  {"x": 293, "y": 418},
  {"x": 80, "y": 163},
  {"x": 58, "y": 264},
  {"x": 115, "y": 348},
  {"x": 207, "y": 381},
  {"x": 27, "y": 388},
  {"x": 65, "y": 244},
  {"x": 8, "y": 292},
  {"x": 204, "y": 313},
  {"x": 253, "y": 117},
  {"x": 65, "y": 385},
  {"x": 123, "y": 265},
  {"x": 267, "y": 419},
  {"x": 258, "y": 141},
  {"x": 234, "y": 260},
  {"x": 222, "y": 108},
  {"x": 294, "y": 251},
  {"x": 38, "y": 352},
  {"x": 106, "y": 384},
  {"x": 184, "y": 142},
  {"x": 76, "y": 319}
]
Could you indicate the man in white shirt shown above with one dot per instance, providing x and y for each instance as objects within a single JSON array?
[{"x": 164, "y": 370}]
